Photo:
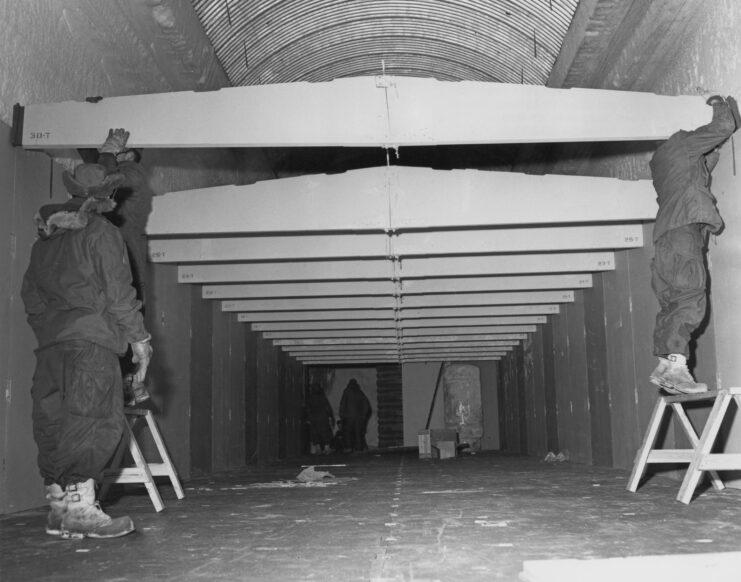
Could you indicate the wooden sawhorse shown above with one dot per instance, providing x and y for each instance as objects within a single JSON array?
[
  {"x": 142, "y": 471},
  {"x": 699, "y": 457}
]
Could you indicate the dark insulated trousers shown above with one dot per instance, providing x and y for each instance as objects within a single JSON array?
[
  {"x": 679, "y": 280},
  {"x": 77, "y": 410},
  {"x": 354, "y": 427}
]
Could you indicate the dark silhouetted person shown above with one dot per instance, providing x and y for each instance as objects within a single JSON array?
[
  {"x": 355, "y": 410},
  {"x": 321, "y": 420},
  {"x": 681, "y": 169}
]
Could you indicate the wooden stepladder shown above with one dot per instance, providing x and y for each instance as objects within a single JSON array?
[
  {"x": 142, "y": 471},
  {"x": 700, "y": 457}
]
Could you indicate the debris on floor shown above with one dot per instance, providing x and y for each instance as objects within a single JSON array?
[
  {"x": 311, "y": 475},
  {"x": 553, "y": 458}
]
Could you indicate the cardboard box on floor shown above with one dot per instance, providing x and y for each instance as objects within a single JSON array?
[{"x": 437, "y": 443}]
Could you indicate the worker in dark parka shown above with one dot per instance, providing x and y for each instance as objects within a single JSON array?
[
  {"x": 681, "y": 168},
  {"x": 321, "y": 420},
  {"x": 355, "y": 411},
  {"x": 83, "y": 309}
]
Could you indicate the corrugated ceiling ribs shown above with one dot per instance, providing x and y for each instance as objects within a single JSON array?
[{"x": 284, "y": 41}]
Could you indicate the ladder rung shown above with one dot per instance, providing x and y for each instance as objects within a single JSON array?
[
  {"x": 721, "y": 462},
  {"x": 670, "y": 456}
]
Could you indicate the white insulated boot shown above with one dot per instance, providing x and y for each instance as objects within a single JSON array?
[
  {"x": 85, "y": 518},
  {"x": 58, "y": 507},
  {"x": 659, "y": 371},
  {"x": 675, "y": 378}
]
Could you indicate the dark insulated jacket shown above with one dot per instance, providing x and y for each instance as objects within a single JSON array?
[
  {"x": 681, "y": 168},
  {"x": 78, "y": 283},
  {"x": 354, "y": 403}
]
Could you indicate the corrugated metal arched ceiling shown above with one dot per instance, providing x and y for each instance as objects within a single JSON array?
[{"x": 284, "y": 41}]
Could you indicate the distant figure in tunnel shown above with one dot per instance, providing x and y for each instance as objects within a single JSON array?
[
  {"x": 83, "y": 309},
  {"x": 681, "y": 168},
  {"x": 355, "y": 411},
  {"x": 321, "y": 420}
]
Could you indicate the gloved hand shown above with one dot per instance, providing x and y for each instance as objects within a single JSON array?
[
  {"x": 710, "y": 95},
  {"x": 142, "y": 354},
  {"x": 115, "y": 142},
  {"x": 734, "y": 110}
]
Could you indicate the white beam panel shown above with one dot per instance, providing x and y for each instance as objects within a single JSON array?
[
  {"x": 405, "y": 345},
  {"x": 399, "y": 198},
  {"x": 472, "y": 330},
  {"x": 459, "y": 343},
  {"x": 380, "y": 340},
  {"x": 307, "y": 289},
  {"x": 349, "y": 346},
  {"x": 426, "y": 312},
  {"x": 336, "y": 333},
  {"x": 341, "y": 352},
  {"x": 366, "y": 358},
  {"x": 262, "y": 248},
  {"x": 408, "y": 286},
  {"x": 335, "y": 315},
  {"x": 413, "y": 301},
  {"x": 356, "y": 200},
  {"x": 508, "y": 264},
  {"x": 369, "y": 269},
  {"x": 364, "y": 111},
  {"x": 451, "y": 359},
  {"x": 332, "y": 341},
  {"x": 462, "y": 321},
  {"x": 500, "y": 283},
  {"x": 288, "y": 271},
  {"x": 518, "y": 240},
  {"x": 401, "y": 324},
  {"x": 358, "y": 302},
  {"x": 372, "y": 324},
  {"x": 467, "y": 349},
  {"x": 497, "y": 298},
  {"x": 507, "y": 240},
  {"x": 392, "y": 333}
]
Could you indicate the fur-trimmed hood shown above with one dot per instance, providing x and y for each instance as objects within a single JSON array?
[{"x": 55, "y": 219}]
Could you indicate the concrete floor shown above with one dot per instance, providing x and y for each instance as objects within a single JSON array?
[{"x": 386, "y": 517}]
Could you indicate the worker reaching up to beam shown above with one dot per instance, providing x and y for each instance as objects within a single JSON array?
[
  {"x": 83, "y": 309},
  {"x": 681, "y": 169}
]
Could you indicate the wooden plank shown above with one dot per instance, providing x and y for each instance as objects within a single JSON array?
[
  {"x": 364, "y": 111},
  {"x": 402, "y": 197}
]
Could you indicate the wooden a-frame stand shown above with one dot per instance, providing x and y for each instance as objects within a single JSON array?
[
  {"x": 142, "y": 471},
  {"x": 700, "y": 457}
]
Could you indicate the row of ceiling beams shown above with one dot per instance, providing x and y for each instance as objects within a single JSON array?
[{"x": 389, "y": 263}]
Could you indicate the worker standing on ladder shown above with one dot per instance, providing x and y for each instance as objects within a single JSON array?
[
  {"x": 84, "y": 312},
  {"x": 681, "y": 169}
]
